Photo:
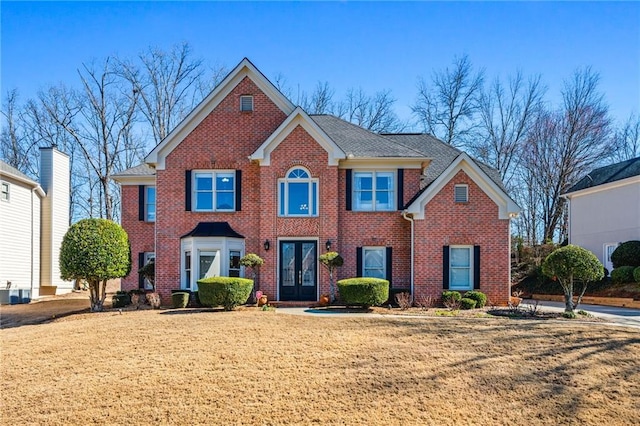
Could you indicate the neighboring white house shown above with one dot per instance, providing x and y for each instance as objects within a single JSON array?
[
  {"x": 604, "y": 209},
  {"x": 33, "y": 220}
]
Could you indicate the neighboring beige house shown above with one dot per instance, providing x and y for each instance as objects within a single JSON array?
[
  {"x": 33, "y": 220},
  {"x": 604, "y": 209}
]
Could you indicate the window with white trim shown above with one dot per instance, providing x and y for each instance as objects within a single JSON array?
[
  {"x": 373, "y": 191},
  {"x": 4, "y": 191},
  {"x": 461, "y": 267},
  {"x": 149, "y": 257},
  {"x": 246, "y": 103},
  {"x": 234, "y": 263},
  {"x": 374, "y": 262},
  {"x": 214, "y": 191},
  {"x": 298, "y": 194},
  {"x": 150, "y": 203},
  {"x": 461, "y": 193},
  {"x": 187, "y": 269}
]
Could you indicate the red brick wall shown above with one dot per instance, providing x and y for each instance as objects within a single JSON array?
[
  {"x": 473, "y": 223},
  {"x": 140, "y": 233}
]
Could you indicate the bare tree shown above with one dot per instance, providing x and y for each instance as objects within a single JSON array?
[
  {"x": 17, "y": 148},
  {"x": 165, "y": 85},
  {"x": 320, "y": 101},
  {"x": 627, "y": 139},
  {"x": 99, "y": 118},
  {"x": 374, "y": 113},
  {"x": 447, "y": 104},
  {"x": 505, "y": 117},
  {"x": 564, "y": 145}
]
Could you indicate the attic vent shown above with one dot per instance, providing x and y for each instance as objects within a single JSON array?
[
  {"x": 461, "y": 193},
  {"x": 246, "y": 103}
]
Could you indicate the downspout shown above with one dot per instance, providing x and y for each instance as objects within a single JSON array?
[
  {"x": 31, "y": 243},
  {"x": 410, "y": 219}
]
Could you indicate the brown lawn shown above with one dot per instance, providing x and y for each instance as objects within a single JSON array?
[{"x": 254, "y": 367}]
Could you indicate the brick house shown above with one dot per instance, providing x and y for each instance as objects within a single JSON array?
[{"x": 248, "y": 172}]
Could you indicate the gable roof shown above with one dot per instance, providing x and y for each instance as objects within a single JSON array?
[
  {"x": 244, "y": 69},
  {"x": 506, "y": 206},
  {"x": 608, "y": 174},
  {"x": 298, "y": 118},
  {"x": 6, "y": 168}
]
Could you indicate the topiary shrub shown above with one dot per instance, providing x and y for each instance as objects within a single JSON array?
[
  {"x": 180, "y": 299},
  {"x": 478, "y": 296},
  {"x": 626, "y": 254},
  {"x": 466, "y": 303},
  {"x": 228, "y": 292},
  {"x": 363, "y": 291},
  {"x": 623, "y": 275},
  {"x": 451, "y": 296},
  {"x": 636, "y": 274}
]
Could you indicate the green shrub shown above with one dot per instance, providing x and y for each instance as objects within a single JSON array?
[
  {"x": 478, "y": 296},
  {"x": 363, "y": 291},
  {"x": 626, "y": 254},
  {"x": 569, "y": 315},
  {"x": 636, "y": 274},
  {"x": 451, "y": 295},
  {"x": 466, "y": 303},
  {"x": 120, "y": 299},
  {"x": 623, "y": 275},
  {"x": 228, "y": 292},
  {"x": 180, "y": 299}
]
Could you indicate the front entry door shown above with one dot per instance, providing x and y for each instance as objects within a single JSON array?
[{"x": 298, "y": 274}]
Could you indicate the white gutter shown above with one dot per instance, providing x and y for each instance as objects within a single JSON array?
[{"x": 410, "y": 219}]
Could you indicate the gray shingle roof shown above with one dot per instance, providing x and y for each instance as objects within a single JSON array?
[
  {"x": 139, "y": 170},
  {"x": 608, "y": 174},
  {"x": 442, "y": 155},
  {"x": 360, "y": 142},
  {"x": 6, "y": 168}
]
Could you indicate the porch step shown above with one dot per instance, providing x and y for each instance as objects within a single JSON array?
[{"x": 293, "y": 304}]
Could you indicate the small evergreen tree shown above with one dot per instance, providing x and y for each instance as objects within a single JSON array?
[
  {"x": 331, "y": 260},
  {"x": 570, "y": 265},
  {"x": 95, "y": 250}
]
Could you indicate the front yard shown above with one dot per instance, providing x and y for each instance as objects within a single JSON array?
[{"x": 254, "y": 367}]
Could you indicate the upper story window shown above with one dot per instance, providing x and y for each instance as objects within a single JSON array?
[
  {"x": 373, "y": 191},
  {"x": 214, "y": 191},
  {"x": 4, "y": 191},
  {"x": 150, "y": 204},
  {"x": 298, "y": 194},
  {"x": 246, "y": 103},
  {"x": 461, "y": 193}
]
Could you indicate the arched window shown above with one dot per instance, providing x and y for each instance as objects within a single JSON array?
[{"x": 298, "y": 193}]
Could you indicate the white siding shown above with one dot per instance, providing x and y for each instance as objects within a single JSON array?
[
  {"x": 19, "y": 237},
  {"x": 608, "y": 216},
  {"x": 54, "y": 179}
]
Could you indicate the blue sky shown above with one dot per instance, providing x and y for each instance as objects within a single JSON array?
[{"x": 349, "y": 44}]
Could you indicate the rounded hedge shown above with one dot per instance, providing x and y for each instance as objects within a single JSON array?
[
  {"x": 626, "y": 254},
  {"x": 228, "y": 292},
  {"x": 623, "y": 275},
  {"x": 466, "y": 303},
  {"x": 363, "y": 291},
  {"x": 180, "y": 299},
  {"x": 478, "y": 296},
  {"x": 636, "y": 274},
  {"x": 450, "y": 295}
]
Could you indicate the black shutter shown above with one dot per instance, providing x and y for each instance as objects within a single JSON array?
[
  {"x": 359, "y": 262},
  {"x": 400, "y": 189},
  {"x": 141, "y": 202},
  {"x": 348, "y": 188},
  {"x": 140, "y": 265},
  {"x": 445, "y": 267},
  {"x": 389, "y": 267},
  {"x": 187, "y": 190},
  {"x": 238, "y": 190},
  {"x": 476, "y": 267}
]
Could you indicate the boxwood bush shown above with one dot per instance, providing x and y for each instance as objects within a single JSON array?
[
  {"x": 180, "y": 299},
  {"x": 466, "y": 303},
  {"x": 450, "y": 295},
  {"x": 636, "y": 274},
  {"x": 478, "y": 296},
  {"x": 363, "y": 291},
  {"x": 626, "y": 254},
  {"x": 228, "y": 292},
  {"x": 622, "y": 275}
]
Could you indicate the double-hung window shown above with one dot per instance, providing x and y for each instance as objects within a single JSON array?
[
  {"x": 374, "y": 262},
  {"x": 461, "y": 267},
  {"x": 298, "y": 194},
  {"x": 214, "y": 191},
  {"x": 373, "y": 191},
  {"x": 4, "y": 191},
  {"x": 150, "y": 204}
]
